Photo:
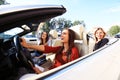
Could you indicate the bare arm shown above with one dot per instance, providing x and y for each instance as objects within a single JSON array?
[{"x": 35, "y": 47}]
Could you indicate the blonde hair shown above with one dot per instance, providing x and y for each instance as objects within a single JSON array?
[{"x": 99, "y": 28}]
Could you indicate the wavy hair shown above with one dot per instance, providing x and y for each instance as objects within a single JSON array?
[
  {"x": 71, "y": 39},
  {"x": 47, "y": 38}
]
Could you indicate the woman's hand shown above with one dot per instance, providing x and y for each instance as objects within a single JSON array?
[
  {"x": 37, "y": 57},
  {"x": 35, "y": 47},
  {"x": 23, "y": 43},
  {"x": 37, "y": 70}
]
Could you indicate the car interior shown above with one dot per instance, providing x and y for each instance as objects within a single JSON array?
[
  {"x": 15, "y": 58},
  {"x": 13, "y": 42},
  {"x": 81, "y": 43}
]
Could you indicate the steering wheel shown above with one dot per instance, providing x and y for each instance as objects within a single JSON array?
[{"x": 21, "y": 54}]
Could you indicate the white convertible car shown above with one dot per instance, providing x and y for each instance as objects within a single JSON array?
[{"x": 102, "y": 64}]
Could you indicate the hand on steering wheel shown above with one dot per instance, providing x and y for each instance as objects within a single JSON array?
[{"x": 21, "y": 54}]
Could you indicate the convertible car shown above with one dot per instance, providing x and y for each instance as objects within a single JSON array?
[{"x": 16, "y": 21}]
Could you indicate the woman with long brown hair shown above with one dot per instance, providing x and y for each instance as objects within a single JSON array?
[
  {"x": 65, "y": 53},
  {"x": 44, "y": 40},
  {"x": 38, "y": 57}
]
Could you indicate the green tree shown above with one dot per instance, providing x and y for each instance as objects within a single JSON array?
[
  {"x": 2, "y": 2},
  {"x": 114, "y": 29},
  {"x": 46, "y": 26},
  {"x": 77, "y": 22},
  {"x": 53, "y": 23},
  {"x": 68, "y": 23},
  {"x": 61, "y": 23}
]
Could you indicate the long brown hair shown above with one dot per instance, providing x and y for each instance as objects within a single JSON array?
[
  {"x": 72, "y": 36},
  {"x": 47, "y": 38}
]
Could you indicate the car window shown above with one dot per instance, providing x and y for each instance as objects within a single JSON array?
[{"x": 12, "y": 32}]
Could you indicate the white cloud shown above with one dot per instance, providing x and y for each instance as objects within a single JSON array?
[{"x": 114, "y": 9}]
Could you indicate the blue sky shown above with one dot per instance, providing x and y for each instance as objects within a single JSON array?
[{"x": 103, "y": 13}]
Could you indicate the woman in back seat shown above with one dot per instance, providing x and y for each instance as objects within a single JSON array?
[
  {"x": 64, "y": 54},
  {"x": 38, "y": 56},
  {"x": 100, "y": 38}
]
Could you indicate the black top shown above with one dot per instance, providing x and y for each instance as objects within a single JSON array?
[{"x": 100, "y": 43}]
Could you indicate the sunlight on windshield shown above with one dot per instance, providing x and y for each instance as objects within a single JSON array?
[
  {"x": 11, "y": 32},
  {"x": 14, "y": 31}
]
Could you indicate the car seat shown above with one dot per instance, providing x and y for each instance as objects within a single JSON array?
[
  {"x": 81, "y": 39},
  {"x": 55, "y": 39}
]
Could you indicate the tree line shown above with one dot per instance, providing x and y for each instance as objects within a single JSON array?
[
  {"x": 114, "y": 30},
  {"x": 61, "y": 23},
  {"x": 3, "y": 2}
]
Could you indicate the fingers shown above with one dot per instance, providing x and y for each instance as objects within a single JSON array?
[
  {"x": 23, "y": 42},
  {"x": 37, "y": 70}
]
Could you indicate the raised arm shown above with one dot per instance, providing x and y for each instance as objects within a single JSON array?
[{"x": 35, "y": 47}]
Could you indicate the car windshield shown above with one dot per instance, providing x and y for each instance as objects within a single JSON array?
[{"x": 10, "y": 33}]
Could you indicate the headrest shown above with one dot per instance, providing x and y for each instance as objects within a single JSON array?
[
  {"x": 53, "y": 34},
  {"x": 78, "y": 29}
]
